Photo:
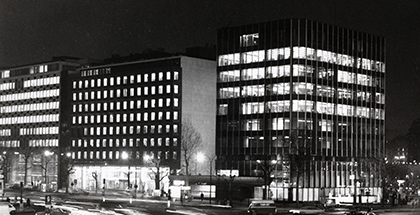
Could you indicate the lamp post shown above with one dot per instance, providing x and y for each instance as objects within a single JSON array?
[
  {"x": 125, "y": 156},
  {"x": 267, "y": 169},
  {"x": 47, "y": 154},
  {"x": 200, "y": 158}
]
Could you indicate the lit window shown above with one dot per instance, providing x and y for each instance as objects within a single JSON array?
[
  {"x": 249, "y": 39},
  {"x": 146, "y": 77},
  {"x": 105, "y": 82},
  {"x": 168, "y": 88},
  {"x": 153, "y": 90},
  {"x": 118, "y": 80},
  {"x": 160, "y": 76},
  {"x": 168, "y": 75},
  {"x": 176, "y": 89},
  {"x": 175, "y": 75},
  {"x": 153, "y": 77}
]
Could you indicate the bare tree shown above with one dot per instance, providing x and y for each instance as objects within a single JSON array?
[
  {"x": 190, "y": 143},
  {"x": 67, "y": 168},
  {"x": 26, "y": 154},
  {"x": 6, "y": 165},
  {"x": 157, "y": 173},
  {"x": 95, "y": 176},
  {"x": 46, "y": 159}
]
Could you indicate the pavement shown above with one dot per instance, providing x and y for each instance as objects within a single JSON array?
[{"x": 178, "y": 207}]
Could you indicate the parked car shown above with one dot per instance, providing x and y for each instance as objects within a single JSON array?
[
  {"x": 257, "y": 207},
  {"x": 307, "y": 210},
  {"x": 6, "y": 208},
  {"x": 337, "y": 210},
  {"x": 361, "y": 211}
]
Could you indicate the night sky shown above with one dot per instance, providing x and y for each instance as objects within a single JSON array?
[{"x": 35, "y": 31}]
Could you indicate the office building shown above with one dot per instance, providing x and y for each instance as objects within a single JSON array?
[
  {"x": 126, "y": 120},
  {"x": 31, "y": 98},
  {"x": 302, "y": 104}
]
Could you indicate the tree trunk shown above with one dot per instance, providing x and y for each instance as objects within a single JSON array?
[
  {"x": 157, "y": 179},
  {"x": 26, "y": 172}
]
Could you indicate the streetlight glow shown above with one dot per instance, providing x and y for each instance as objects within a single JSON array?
[
  {"x": 124, "y": 155},
  {"x": 200, "y": 157}
]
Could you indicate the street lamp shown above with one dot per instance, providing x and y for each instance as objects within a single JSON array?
[
  {"x": 47, "y": 154},
  {"x": 125, "y": 156},
  {"x": 201, "y": 157},
  {"x": 267, "y": 168}
]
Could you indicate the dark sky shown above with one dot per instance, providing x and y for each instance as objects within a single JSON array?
[{"x": 34, "y": 31}]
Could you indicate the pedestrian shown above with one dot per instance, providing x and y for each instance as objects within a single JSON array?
[{"x": 202, "y": 196}]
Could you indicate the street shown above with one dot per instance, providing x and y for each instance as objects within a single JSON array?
[{"x": 94, "y": 204}]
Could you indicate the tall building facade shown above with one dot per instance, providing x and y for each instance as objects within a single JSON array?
[
  {"x": 31, "y": 98},
  {"x": 126, "y": 119},
  {"x": 302, "y": 104}
]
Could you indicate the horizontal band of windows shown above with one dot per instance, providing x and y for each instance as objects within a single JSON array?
[
  {"x": 29, "y": 119},
  {"x": 111, "y": 81},
  {"x": 30, "y": 107},
  {"x": 30, "y": 95},
  {"x": 138, "y": 117},
  {"x": 300, "y": 53}
]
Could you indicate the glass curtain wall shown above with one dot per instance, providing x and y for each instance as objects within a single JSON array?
[{"x": 307, "y": 99}]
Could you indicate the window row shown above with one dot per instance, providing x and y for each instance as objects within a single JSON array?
[
  {"x": 5, "y": 132},
  {"x": 7, "y": 86},
  {"x": 138, "y": 142},
  {"x": 299, "y": 88},
  {"x": 300, "y": 53},
  {"x": 30, "y": 107},
  {"x": 125, "y": 105},
  {"x": 166, "y": 155},
  {"x": 118, "y": 93},
  {"x": 126, "y": 117},
  {"x": 41, "y": 81},
  {"x": 299, "y": 71},
  {"x": 39, "y": 131},
  {"x": 10, "y": 143},
  {"x": 326, "y": 125},
  {"x": 30, "y": 95},
  {"x": 306, "y": 106},
  {"x": 43, "y": 143},
  {"x": 29, "y": 119},
  {"x": 117, "y": 130},
  {"x": 111, "y": 81}
]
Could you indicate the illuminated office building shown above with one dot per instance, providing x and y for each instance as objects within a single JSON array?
[
  {"x": 127, "y": 117},
  {"x": 30, "y": 119},
  {"x": 304, "y": 103}
]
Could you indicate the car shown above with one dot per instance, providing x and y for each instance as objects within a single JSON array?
[
  {"x": 257, "y": 207},
  {"x": 6, "y": 207},
  {"x": 307, "y": 210},
  {"x": 361, "y": 211},
  {"x": 337, "y": 210}
]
